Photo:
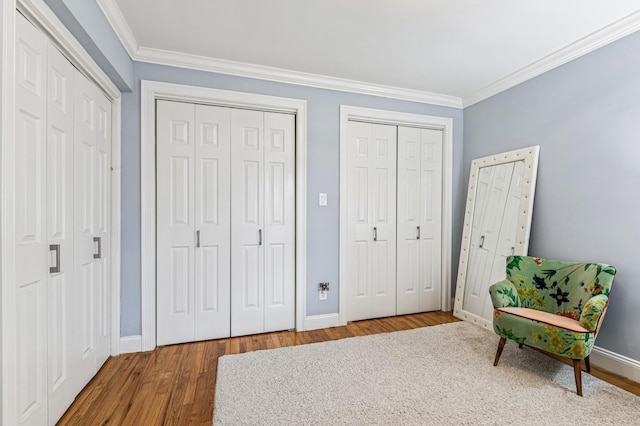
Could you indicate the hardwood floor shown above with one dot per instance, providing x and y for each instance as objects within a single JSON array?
[{"x": 175, "y": 385}]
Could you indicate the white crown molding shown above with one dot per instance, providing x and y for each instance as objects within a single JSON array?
[
  {"x": 600, "y": 38},
  {"x": 139, "y": 53},
  {"x": 203, "y": 63},
  {"x": 593, "y": 41},
  {"x": 116, "y": 19}
]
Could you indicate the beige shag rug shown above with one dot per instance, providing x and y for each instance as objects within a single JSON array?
[{"x": 441, "y": 375}]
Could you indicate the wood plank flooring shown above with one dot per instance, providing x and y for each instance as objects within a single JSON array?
[{"x": 175, "y": 385}]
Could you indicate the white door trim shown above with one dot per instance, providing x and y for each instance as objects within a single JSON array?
[
  {"x": 41, "y": 15},
  {"x": 445, "y": 124},
  {"x": 150, "y": 92}
]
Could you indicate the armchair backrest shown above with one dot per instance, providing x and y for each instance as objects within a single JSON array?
[{"x": 558, "y": 287}]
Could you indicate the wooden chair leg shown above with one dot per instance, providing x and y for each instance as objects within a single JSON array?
[
  {"x": 577, "y": 372},
  {"x": 587, "y": 364},
  {"x": 503, "y": 340}
]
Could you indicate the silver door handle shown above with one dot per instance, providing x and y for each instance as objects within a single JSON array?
[
  {"x": 259, "y": 237},
  {"x": 56, "y": 248},
  {"x": 375, "y": 233},
  {"x": 198, "y": 238},
  {"x": 481, "y": 242},
  {"x": 98, "y": 240},
  {"x": 418, "y": 237}
]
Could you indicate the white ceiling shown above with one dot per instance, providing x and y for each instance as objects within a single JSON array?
[{"x": 450, "y": 47}]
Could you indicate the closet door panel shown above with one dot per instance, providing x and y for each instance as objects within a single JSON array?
[
  {"x": 383, "y": 278},
  {"x": 176, "y": 234},
  {"x": 419, "y": 219},
  {"x": 360, "y": 229},
  {"x": 60, "y": 113},
  {"x": 279, "y": 221},
  {"x": 371, "y": 215},
  {"x": 84, "y": 227},
  {"x": 31, "y": 249},
  {"x": 430, "y": 267},
  {"x": 213, "y": 221},
  {"x": 102, "y": 220},
  {"x": 248, "y": 232},
  {"x": 409, "y": 220}
]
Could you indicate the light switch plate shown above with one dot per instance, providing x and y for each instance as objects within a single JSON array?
[{"x": 322, "y": 199}]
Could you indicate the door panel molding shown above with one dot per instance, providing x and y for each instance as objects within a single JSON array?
[
  {"x": 368, "y": 115},
  {"x": 152, "y": 91}
]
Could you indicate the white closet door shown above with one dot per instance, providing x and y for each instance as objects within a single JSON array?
[
  {"x": 430, "y": 219},
  {"x": 371, "y": 216},
  {"x": 419, "y": 219},
  {"x": 31, "y": 251},
  {"x": 85, "y": 286},
  {"x": 247, "y": 227},
  {"x": 175, "y": 222},
  {"x": 212, "y": 308},
  {"x": 409, "y": 219},
  {"x": 491, "y": 196},
  {"x": 102, "y": 223},
  {"x": 92, "y": 163},
  {"x": 62, "y": 195},
  {"x": 279, "y": 221},
  {"x": 60, "y": 303}
]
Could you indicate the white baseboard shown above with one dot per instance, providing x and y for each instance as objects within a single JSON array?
[
  {"x": 316, "y": 322},
  {"x": 130, "y": 344},
  {"x": 616, "y": 363}
]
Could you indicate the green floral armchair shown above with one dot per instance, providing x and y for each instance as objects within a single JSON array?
[{"x": 554, "y": 306}]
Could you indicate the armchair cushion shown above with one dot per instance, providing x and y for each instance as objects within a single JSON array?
[
  {"x": 548, "y": 337},
  {"x": 547, "y": 318}
]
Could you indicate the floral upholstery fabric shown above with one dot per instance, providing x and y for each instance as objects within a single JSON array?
[{"x": 579, "y": 291}]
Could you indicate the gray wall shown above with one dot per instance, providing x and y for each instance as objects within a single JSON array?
[
  {"x": 322, "y": 175},
  {"x": 585, "y": 116},
  {"x": 92, "y": 29}
]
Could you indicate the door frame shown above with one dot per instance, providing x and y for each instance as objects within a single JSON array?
[
  {"x": 47, "y": 22},
  {"x": 155, "y": 90},
  {"x": 377, "y": 116}
]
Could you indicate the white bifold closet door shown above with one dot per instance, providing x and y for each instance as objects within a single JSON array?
[
  {"x": 394, "y": 220},
  {"x": 62, "y": 310},
  {"x": 419, "y": 220},
  {"x": 92, "y": 165},
  {"x": 371, "y": 216},
  {"x": 263, "y": 222},
  {"x": 193, "y": 222},
  {"x": 62, "y": 285},
  {"x": 498, "y": 197},
  {"x": 225, "y": 222}
]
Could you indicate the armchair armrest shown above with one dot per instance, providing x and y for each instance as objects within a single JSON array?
[
  {"x": 504, "y": 295},
  {"x": 592, "y": 310}
]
